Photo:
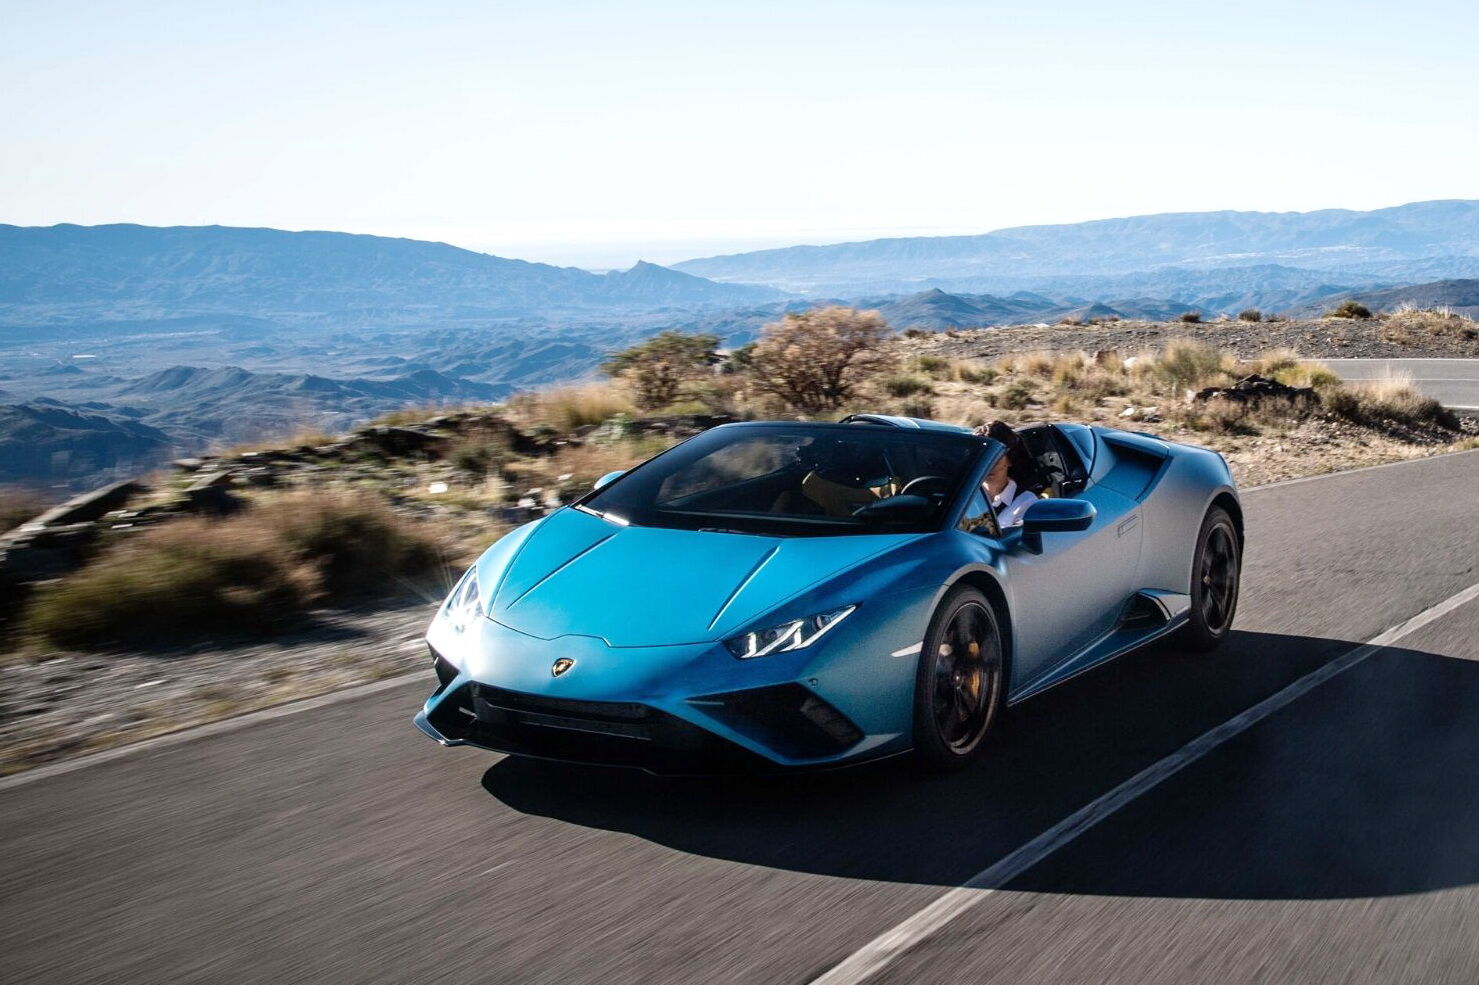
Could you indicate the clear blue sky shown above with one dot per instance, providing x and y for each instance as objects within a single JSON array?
[{"x": 597, "y": 133}]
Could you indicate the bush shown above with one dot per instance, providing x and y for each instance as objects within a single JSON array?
[
  {"x": 904, "y": 386},
  {"x": 814, "y": 360},
  {"x": 1016, "y": 395},
  {"x": 937, "y": 366},
  {"x": 1191, "y": 365},
  {"x": 975, "y": 373},
  {"x": 1389, "y": 401},
  {"x": 1190, "y": 317},
  {"x": 355, "y": 544},
  {"x": 1250, "y": 314},
  {"x": 254, "y": 573},
  {"x": 191, "y": 578},
  {"x": 1350, "y": 309},
  {"x": 570, "y": 407},
  {"x": 658, "y": 369}
]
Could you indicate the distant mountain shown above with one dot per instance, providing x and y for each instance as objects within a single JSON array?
[
  {"x": 1329, "y": 240},
  {"x": 1461, "y": 296},
  {"x": 234, "y": 404},
  {"x": 46, "y": 442},
  {"x": 68, "y": 273}
]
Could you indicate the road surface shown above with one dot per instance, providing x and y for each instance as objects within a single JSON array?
[
  {"x": 1335, "y": 841},
  {"x": 1454, "y": 382}
]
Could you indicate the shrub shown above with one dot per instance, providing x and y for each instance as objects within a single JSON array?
[
  {"x": 570, "y": 407},
  {"x": 1187, "y": 364},
  {"x": 814, "y": 360},
  {"x": 1190, "y": 317},
  {"x": 355, "y": 544},
  {"x": 922, "y": 407},
  {"x": 188, "y": 578},
  {"x": 1250, "y": 314},
  {"x": 658, "y": 369},
  {"x": 937, "y": 366},
  {"x": 975, "y": 373},
  {"x": 904, "y": 386},
  {"x": 253, "y": 573},
  {"x": 1389, "y": 401},
  {"x": 1350, "y": 309},
  {"x": 1016, "y": 395}
]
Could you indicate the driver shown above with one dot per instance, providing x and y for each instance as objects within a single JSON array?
[{"x": 1009, "y": 484}]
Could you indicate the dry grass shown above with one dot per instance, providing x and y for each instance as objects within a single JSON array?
[
  {"x": 19, "y": 504},
  {"x": 305, "y": 437},
  {"x": 903, "y": 385},
  {"x": 570, "y": 407},
  {"x": 259, "y": 571},
  {"x": 1391, "y": 400},
  {"x": 1411, "y": 325}
]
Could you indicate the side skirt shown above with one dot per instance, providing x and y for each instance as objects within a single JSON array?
[{"x": 1149, "y": 615}]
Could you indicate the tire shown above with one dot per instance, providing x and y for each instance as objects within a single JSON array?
[
  {"x": 958, "y": 687},
  {"x": 1216, "y": 572}
]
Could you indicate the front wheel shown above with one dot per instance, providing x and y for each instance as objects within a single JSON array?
[
  {"x": 1215, "y": 574},
  {"x": 958, "y": 688}
]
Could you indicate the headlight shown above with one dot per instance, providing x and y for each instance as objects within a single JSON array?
[
  {"x": 465, "y": 603},
  {"x": 786, "y": 637}
]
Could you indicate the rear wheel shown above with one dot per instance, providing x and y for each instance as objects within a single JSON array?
[
  {"x": 958, "y": 689},
  {"x": 1215, "y": 574}
]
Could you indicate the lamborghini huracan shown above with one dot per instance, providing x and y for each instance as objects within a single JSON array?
[{"x": 778, "y": 595}]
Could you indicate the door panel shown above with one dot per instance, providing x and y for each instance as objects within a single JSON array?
[{"x": 1073, "y": 592}]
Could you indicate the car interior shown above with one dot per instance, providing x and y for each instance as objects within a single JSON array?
[{"x": 1060, "y": 467}]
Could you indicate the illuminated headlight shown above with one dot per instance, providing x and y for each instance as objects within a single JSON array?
[
  {"x": 788, "y": 636},
  {"x": 464, "y": 605}
]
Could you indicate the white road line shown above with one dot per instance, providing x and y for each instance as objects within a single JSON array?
[{"x": 880, "y": 952}]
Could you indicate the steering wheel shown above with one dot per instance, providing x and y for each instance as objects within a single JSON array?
[{"x": 909, "y": 486}]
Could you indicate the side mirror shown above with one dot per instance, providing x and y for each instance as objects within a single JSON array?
[
  {"x": 1055, "y": 516},
  {"x": 609, "y": 478}
]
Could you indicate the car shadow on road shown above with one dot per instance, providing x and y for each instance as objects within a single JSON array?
[{"x": 1364, "y": 787}]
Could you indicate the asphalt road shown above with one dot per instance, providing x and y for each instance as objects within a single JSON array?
[
  {"x": 1337, "y": 840},
  {"x": 1454, "y": 382}
]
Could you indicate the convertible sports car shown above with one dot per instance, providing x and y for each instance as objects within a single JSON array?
[{"x": 772, "y": 595}]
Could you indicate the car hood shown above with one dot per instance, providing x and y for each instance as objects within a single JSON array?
[{"x": 576, "y": 574}]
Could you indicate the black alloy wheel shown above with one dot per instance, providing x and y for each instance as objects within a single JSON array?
[
  {"x": 1215, "y": 576},
  {"x": 958, "y": 691}
]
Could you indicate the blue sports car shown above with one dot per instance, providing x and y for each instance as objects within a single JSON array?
[{"x": 779, "y": 595}]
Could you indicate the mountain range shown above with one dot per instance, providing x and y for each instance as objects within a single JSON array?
[
  {"x": 69, "y": 275},
  {"x": 1439, "y": 238},
  {"x": 123, "y": 344}
]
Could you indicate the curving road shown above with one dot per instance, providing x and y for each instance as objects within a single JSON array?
[
  {"x": 1453, "y": 382},
  {"x": 1336, "y": 840}
]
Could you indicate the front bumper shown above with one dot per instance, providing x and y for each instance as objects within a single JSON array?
[{"x": 671, "y": 709}]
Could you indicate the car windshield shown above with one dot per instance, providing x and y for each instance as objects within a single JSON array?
[{"x": 796, "y": 480}]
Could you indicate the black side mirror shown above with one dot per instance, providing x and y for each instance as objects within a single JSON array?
[{"x": 1054, "y": 516}]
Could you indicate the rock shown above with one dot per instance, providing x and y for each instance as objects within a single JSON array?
[
  {"x": 397, "y": 441},
  {"x": 210, "y": 494},
  {"x": 1255, "y": 389},
  {"x": 188, "y": 464},
  {"x": 90, "y": 505}
]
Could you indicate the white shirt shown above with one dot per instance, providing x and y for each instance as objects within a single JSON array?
[{"x": 1011, "y": 505}]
